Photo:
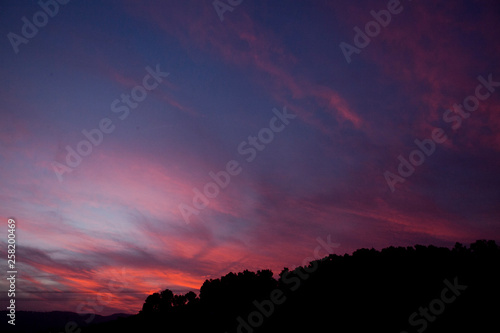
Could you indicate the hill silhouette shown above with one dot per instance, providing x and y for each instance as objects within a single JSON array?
[
  {"x": 51, "y": 321},
  {"x": 398, "y": 289}
]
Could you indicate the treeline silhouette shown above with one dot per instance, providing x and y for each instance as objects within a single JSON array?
[{"x": 397, "y": 289}]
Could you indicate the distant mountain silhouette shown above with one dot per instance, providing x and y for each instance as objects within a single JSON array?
[
  {"x": 55, "y": 321},
  {"x": 412, "y": 289}
]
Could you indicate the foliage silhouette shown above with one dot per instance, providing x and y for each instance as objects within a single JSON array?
[{"x": 368, "y": 290}]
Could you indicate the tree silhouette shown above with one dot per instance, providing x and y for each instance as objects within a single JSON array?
[{"x": 368, "y": 290}]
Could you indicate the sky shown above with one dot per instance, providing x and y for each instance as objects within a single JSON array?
[{"x": 147, "y": 145}]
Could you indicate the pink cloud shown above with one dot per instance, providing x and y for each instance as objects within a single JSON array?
[{"x": 245, "y": 44}]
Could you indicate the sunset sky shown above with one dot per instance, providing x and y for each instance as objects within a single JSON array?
[{"x": 312, "y": 134}]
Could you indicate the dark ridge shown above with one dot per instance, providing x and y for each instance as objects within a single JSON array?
[
  {"x": 53, "y": 321},
  {"x": 398, "y": 289}
]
